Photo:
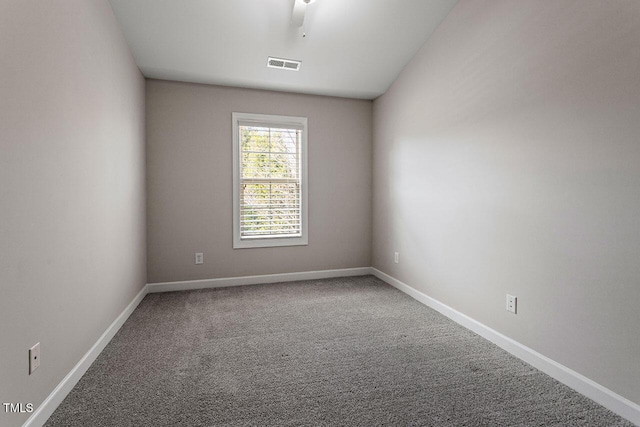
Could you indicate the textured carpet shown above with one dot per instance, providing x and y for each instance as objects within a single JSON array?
[{"x": 348, "y": 351}]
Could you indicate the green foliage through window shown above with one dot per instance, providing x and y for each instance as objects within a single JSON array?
[{"x": 270, "y": 181}]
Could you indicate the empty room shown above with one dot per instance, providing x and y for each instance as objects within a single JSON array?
[{"x": 319, "y": 213}]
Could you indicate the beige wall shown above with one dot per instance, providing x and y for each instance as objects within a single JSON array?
[
  {"x": 72, "y": 215},
  {"x": 507, "y": 160},
  {"x": 189, "y": 181}
]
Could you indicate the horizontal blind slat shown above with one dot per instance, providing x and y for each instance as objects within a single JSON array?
[
  {"x": 269, "y": 233},
  {"x": 259, "y": 125}
]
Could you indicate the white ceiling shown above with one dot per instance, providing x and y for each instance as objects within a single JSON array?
[{"x": 353, "y": 48}]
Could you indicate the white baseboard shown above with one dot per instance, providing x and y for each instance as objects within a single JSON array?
[
  {"x": 44, "y": 411},
  {"x": 596, "y": 392},
  {"x": 254, "y": 280}
]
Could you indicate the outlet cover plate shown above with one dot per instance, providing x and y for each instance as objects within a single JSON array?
[
  {"x": 512, "y": 303},
  {"x": 34, "y": 358},
  {"x": 199, "y": 258}
]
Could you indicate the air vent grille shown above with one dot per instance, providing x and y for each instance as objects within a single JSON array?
[{"x": 284, "y": 64}]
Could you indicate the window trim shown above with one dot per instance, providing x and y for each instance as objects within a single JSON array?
[{"x": 271, "y": 120}]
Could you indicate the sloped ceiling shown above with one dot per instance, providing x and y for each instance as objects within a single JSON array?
[{"x": 352, "y": 48}]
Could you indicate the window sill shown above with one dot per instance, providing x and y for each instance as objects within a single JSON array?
[{"x": 268, "y": 242}]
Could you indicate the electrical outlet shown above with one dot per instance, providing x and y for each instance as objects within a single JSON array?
[
  {"x": 512, "y": 303},
  {"x": 396, "y": 257},
  {"x": 199, "y": 258},
  {"x": 34, "y": 358}
]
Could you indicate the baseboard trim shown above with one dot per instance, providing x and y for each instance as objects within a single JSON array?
[
  {"x": 254, "y": 280},
  {"x": 44, "y": 411},
  {"x": 596, "y": 392}
]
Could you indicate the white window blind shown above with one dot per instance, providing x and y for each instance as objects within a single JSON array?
[{"x": 270, "y": 181}]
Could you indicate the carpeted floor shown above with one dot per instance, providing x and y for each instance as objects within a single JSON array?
[{"x": 348, "y": 351}]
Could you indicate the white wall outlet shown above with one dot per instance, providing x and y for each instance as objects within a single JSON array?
[
  {"x": 199, "y": 258},
  {"x": 512, "y": 303},
  {"x": 396, "y": 257},
  {"x": 34, "y": 358}
]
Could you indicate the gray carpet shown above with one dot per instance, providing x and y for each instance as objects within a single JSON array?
[{"x": 348, "y": 351}]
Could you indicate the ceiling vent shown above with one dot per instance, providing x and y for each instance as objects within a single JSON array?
[{"x": 284, "y": 64}]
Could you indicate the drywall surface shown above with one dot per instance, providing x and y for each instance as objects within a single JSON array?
[
  {"x": 506, "y": 160},
  {"x": 72, "y": 202},
  {"x": 189, "y": 182}
]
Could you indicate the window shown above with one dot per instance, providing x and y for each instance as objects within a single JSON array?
[{"x": 269, "y": 180}]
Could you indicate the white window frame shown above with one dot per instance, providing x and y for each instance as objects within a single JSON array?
[{"x": 268, "y": 241}]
